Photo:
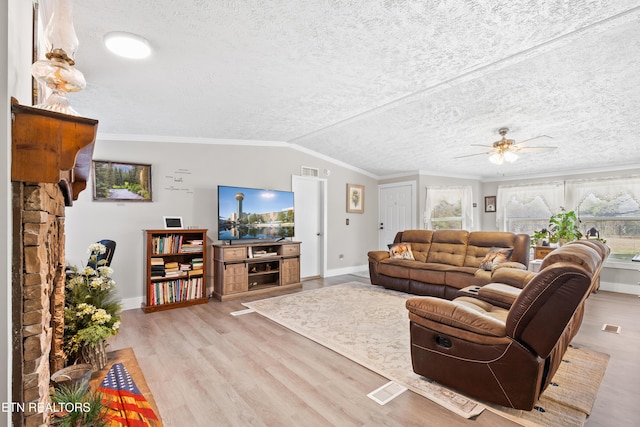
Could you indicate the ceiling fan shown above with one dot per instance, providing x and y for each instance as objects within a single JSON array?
[{"x": 505, "y": 150}]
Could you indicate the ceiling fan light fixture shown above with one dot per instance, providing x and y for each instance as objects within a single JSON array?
[
  {"x": 127, "y": 45},
  {"x": 510, "y": 156},
  {"x": 496, "y": 158}
]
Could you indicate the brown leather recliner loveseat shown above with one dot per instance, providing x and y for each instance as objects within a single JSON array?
[
  {"x": 509, "y": 355},
  {"x": 445, "y": 261}
]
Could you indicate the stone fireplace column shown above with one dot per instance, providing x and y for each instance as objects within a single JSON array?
[
  {"x": 51, "y": 156},
  {"x": 39, "y": 293}
]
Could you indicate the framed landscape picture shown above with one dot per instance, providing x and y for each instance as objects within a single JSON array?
[
  {"x": 355, "y": 198},
  {"x": 121, "y": 182}
]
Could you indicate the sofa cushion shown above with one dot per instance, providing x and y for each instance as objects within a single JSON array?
[
  {"x": 420, "y": 242},
  {"x": 468, "y": 314},
  {"x": 581, "y": 255},
  {"x": 401, "y": 251},
  {"x": 494, "y": 257},
  {"x": 448, "y": 247},
  {"x": 396, "y": 267},
  {"x": 429, "y": 273},
  {"x": 480, "y": 242}
]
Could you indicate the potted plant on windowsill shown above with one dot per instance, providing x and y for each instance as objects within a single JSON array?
[
  {"x": 564, "y": 227},
  {"x": 540, "y": 238}
]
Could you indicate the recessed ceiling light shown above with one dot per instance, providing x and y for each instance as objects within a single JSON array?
[{"x": 127, "y": 45}]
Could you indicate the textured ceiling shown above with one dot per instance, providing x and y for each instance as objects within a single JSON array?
[{"x": 386, "y": 86}]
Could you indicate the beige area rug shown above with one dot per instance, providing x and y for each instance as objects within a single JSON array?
[{"x": 369, "y": 325}]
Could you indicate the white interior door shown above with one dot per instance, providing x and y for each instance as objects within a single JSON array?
[
  {"x": 310, "y": 217},
  {"x": 397, "y": 210}
]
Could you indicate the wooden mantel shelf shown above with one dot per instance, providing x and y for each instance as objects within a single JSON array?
[{"x": 51, "y": 147}]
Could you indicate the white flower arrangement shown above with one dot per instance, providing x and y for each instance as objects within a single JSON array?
[{"x": 92, "y": 313}]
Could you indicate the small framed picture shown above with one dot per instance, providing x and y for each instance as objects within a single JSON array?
[
  {"x": 355, "y": 198},
  {"x": 121, "y": 182},
  {"x": 172, "y": 222},
  {"x": 490, "y": 204}
]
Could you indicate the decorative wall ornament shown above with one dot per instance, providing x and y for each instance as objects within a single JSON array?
[
  {"x": 355, "y": 198},
  {"x": 490, "y": 204}
]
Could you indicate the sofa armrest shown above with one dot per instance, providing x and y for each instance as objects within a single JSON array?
[
  {"x": 512, "y": 277},
  {"x": 500, "y": 292},
  {"x": 456, "y": 315},
  {"x": 377, "y": 256}
]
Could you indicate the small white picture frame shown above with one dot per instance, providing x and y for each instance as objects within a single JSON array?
[{"x": 172, "y": 222}]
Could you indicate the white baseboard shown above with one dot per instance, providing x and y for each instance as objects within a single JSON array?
[
  {"x": 132, "y": 303},
  {"x": 347, "y": 270},
  {"x": 623, "y": 288}
]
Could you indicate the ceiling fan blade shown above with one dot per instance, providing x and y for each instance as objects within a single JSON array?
[
  {"x": 535, "y": 137},
  {"x": 535, "y": 149},
  {"x": 481, "y": 145},
  {"x": 476, "y": 154}
]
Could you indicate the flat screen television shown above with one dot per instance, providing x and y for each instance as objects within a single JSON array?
[{"x": 251, "y": 213}]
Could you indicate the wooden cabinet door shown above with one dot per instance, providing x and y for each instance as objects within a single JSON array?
[
  {"x": 235, "y": 278},
  {"x": 289, "y": 271}
]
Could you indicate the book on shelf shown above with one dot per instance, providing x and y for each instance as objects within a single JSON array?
[
  {"x": 171, "y": 291},
  {"x": 167, "y": 244},
  {"x": 263, "y": 253},
  {"x": 171, "y": 269},
  {"x": 192, "y": 246},
  {"x": 157, "y": 267}
]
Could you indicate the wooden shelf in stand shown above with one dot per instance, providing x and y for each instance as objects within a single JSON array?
[
  {"x": 184, "y": 257},
  {"x": 277, "y": 267}
]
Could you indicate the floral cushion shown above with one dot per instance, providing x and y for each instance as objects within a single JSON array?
[
  {"x": 494, "y": 257},
  {"x": 401, "y": 251}
]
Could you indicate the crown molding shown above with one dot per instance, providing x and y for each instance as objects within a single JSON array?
[
  {"x": 187, "y": 140},
  {"x": 566, "y": 172},
  {"x": 223, "y": 141}
]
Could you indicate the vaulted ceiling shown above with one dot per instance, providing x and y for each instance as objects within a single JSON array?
[{"x": 386, "y": 86}]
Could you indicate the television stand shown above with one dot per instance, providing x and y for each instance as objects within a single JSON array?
[{"x": 243, "y": 268}]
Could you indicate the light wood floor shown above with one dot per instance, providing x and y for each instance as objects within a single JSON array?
[{"x": 208, "y": 368}]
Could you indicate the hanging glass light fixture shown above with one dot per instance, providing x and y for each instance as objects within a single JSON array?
[
  {"x": 510, "y": 156},
  {"x": 57, "y": 72},
  {"x": 496, "y": 158}
]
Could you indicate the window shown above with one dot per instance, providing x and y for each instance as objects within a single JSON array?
[
  {"x": 612, "y": 207},
  {"x": 527, "y": 208},
  {"x": 449, "y": 208}
]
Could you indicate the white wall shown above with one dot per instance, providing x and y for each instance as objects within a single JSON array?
[
  {"x": 5, "y": 223},
  {"x": 15, "y": 62},
  {"x": 204, "y": 167}
]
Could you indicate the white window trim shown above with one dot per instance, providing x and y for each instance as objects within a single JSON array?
[{"x": 466, "y": 196}]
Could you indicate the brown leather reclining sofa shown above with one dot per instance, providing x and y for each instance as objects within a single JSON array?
[
  {"x": 446, "y": 261},
  {"x": 508, "y": 355}
]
